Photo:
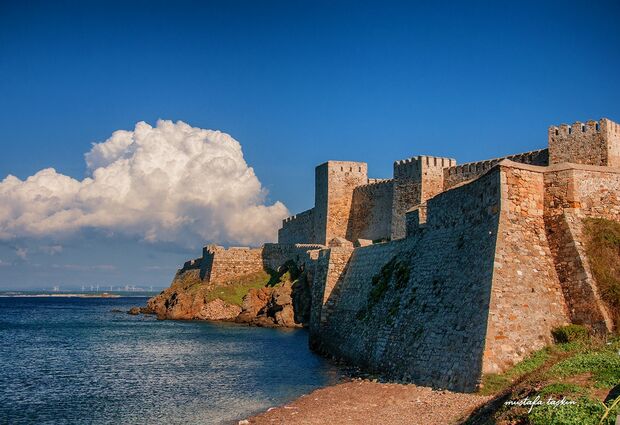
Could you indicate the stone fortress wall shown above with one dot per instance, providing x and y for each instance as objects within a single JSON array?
[{"x": 472, "y": 265}]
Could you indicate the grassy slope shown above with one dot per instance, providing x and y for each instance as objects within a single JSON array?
[
  {"x": 587, "y": 372},
  {"x": 234, "y": 291}
]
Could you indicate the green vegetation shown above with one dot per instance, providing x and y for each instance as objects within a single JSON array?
[
  {"x": 234, "y": 291},
  {"x": 583, "y": 372},
  {"x": 289, "y": 272},
  {"x": 396, "y": 271},
  {"x": 603, "y": 251},
  {"x": 585, "y": 412},
  {"x": 561, "y": 388},
  {"x": 570, "y": 333},
  {"x": 602, "y": 363},
  {"x": 493, "y": 383}
]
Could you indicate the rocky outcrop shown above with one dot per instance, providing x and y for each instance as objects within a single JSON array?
[
  {"x": 269, "y": 306},
  {"x": 218, "y": 310},
  {"x": 281, "y": 300}
]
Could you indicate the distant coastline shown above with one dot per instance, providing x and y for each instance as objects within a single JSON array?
[{"x": 44, "y": 294}]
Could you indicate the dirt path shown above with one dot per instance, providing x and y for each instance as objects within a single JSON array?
[{"x": 366, "y": 402}]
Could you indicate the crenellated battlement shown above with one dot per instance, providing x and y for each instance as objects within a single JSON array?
[
  {"x": 463, "y": 172},
  {"x": 488, "y": 256},
  {"x": 298, "y": 216},
  {"x": 375, "y": 184},
  {"x": 578, "y": 126},
  {"x": 348, "y": 204},
  {"x": 592, "y": 143},
  {"x": 412, "y": 167}
]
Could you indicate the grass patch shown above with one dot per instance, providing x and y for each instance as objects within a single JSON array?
[
  {"x": 234, "y": 291},
  {"x": 494, "y": 383},
  {"x": 585, "y": 412},
  {"x": 602, "y": 362},
  {"x": 561, "y": 388},
  {"x": 603, "y": 251},
  {"x": 582, "y": 372}
]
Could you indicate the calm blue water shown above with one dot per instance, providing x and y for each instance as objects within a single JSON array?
[{"x": 68, "y": 360}]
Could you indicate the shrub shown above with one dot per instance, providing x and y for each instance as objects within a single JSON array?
[
  {"x": 401, "y": 275},
  {"x": 570, "y": 333}
]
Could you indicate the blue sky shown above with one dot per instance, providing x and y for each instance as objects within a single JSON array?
[{"x": 296, "y": 83}]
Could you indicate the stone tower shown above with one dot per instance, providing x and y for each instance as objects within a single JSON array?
[
  {"x": 415, "y": 180},
  {"x": 592, "y": 143},
  {"x": 334, "y": 184}
]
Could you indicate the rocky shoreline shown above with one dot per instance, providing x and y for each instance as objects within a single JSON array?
[{"x": 267, "y": 299}]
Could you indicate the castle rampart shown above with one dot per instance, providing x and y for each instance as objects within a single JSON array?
[
  {"x": 334, "y": 185},
  {"x": 461, "y": 173},
  {"x": 298, "y": 228},
  {"x": 471, "y": 268},
  {"x": 591, "y": 143},
  {"x": 415, "y": 180},
  {"x": 371, "y": 211}
]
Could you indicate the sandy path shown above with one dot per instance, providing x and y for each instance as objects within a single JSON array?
[{"x": 365, "y": 402}]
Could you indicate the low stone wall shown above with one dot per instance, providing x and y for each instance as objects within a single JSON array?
[
  {"x": 298, "y": 228},
  {"x": 461, "y": 173},
  {"x": 371, "y": 211},
  {"x": 226, "y": 264},
  {"x": 275, "y": 255}
]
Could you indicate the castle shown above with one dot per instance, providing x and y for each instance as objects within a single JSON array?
[{"x": 447, "y": 271}]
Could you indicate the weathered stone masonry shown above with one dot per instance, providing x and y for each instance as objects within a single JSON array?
[{"x": 472, "y": 267}]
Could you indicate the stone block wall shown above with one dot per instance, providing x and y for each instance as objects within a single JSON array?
[
  {"x": 432, "y": 329},
  {"x": 371, "y": 211},
  {"x": 591, "y": 143},
  {"x": 276, "y": 254},
  {"x": 334, "y": 185},
  {"x": 526, "y": 296},
  {"x": 574, "y": 192},
  {"x": 222, "y": 264},
  {"x": 415, "y": 180},
  {"x": 329, "y": 271},
  {"x": 416, "y": 219},
  {"x": 298, "y": 228},
  {"x": 461, "y": 173}
]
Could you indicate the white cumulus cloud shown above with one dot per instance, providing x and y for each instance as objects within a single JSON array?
[{"x": 168, "y": 183}]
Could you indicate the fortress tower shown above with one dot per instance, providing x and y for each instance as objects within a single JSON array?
[
  {"x": 592, "y": 143},
  {"x": 415, "y": 180},
  {"x": 334, "y": 184}
]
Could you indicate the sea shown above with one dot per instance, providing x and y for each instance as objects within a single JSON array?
[{"x": 73, "y": 360}]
